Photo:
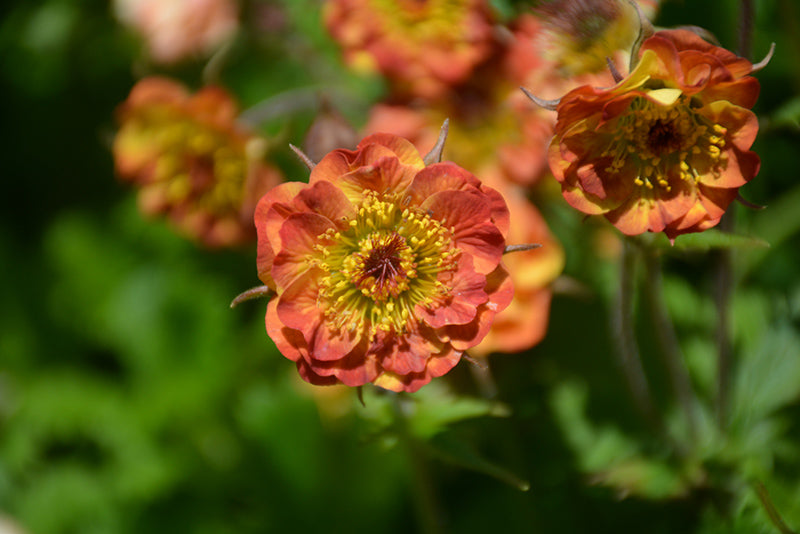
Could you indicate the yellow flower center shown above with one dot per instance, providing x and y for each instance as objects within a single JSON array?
[
  {"x": 196, "y": 163},
  {"x": 658, "y": 138},
  {"x": 385, "y": 264},
  {"x": 424, "y": 19}
]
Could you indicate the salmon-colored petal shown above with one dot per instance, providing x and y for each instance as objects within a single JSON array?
[
  {"x": 439, "y": 177},
  {"x": 463, "y": 337},
  {"x": 467, "y": 214},
  {"x": 297, "y": 308},
  {"x": 742, "y": 92},
  {"x": 460, "y": 303},
  {"x": 309, "y": 374},
  {"x": 402, "y": 148},
  {"x": 449, "y": 176},
  {"x": 299, "y": 235},
  {"x": 520, "y": 326},
  {"x": 290, "y": 342},
  {"x": 327, "y": 200},
  {"x": 277, "y": 201},
  {"x": 654, "y": 209},
  {"x": 438, "y": 365},
  {"x": 406, "y": 354}
]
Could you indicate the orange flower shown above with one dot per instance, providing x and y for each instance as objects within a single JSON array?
[
  {"x": 523, "y": 323},
  {"x": 191, "y": 160},
  {"x": 177, "y": 29},
  {"x": 422, "y": 47},
  {"x": 385, "y": 270},
  {"x": 665, "y": 149}
]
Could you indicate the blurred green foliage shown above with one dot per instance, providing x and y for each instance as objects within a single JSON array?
[{"x": 133, "y": 400}]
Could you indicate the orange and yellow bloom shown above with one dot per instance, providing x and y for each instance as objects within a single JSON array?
[
  {"x": 191, "y": 160},
  {"x": 524, "y": 322},
  {"x": 666, "y": 148},
  {"x": 385, "y": 270},
  {"x": 423, "y": 48}
]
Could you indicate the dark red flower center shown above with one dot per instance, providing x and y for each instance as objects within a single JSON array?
[
  {"x": 663, "y": 138},
  {"x": 382, "y": 265}
]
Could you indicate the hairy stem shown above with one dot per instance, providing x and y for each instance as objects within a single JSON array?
[
  {"x": 668, "y": 341},
  {"x": 770, "y": 509},
  {"x": 746, "y": 16},
  {"x": 627, "y": 349}
]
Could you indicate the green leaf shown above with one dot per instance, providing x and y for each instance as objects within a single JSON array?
[
  {"x": 439, "y": 409},
  {"x": 787, "y": 115},
  {"x": 776, "y": 224},
  {"x": 710, "y": 239},
  {"x": 769, "y": 375},
  {"x": 461, "y": 453},
  {"x": 609, "y": 456},
  {"x": 429, "y": 411}
]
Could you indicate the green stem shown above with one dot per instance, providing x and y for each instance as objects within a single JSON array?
[
  {"x": 723, "y": 288},
  {"x": 627, "y": 350},
  {"x": 422, "y": 489},
  {"x": 770, "y": 509},
  {"x": 668, "y": 340}
]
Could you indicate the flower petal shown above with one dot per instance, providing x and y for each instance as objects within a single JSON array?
[
  {"x": 468, "y": 214},
  {"x": 299, "y": 234},
  {"x": 297, "y": 308},
  {"x": 277, "y": 201},
  {"x": 459, "y": 305}
]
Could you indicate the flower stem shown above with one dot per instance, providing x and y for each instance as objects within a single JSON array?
[
  {"x": 746, "y": 16},
  {"x": 627, "y": 349},
  {"x": 668, "y": 340},
  {"x": 723, "y": 288},
  {"x": 769, "y": 508},
  {"x": 423, "y": 495}
]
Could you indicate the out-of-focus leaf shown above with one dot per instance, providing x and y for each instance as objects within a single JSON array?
[
  {"x": 608, "y": 456},
  {"x": 775, "y": 224},
  {"x": 429, "y": 411},
  {"x": 436, "y": 408},
  {"x": 768, "y": 376},
  {"x": 710, "y": 239},
  {"x": 687, "y": 306},
  {"x": 700, "y": 354},
  {"x": 459, "y": 452},
  {"x": 787, "y": 115}
]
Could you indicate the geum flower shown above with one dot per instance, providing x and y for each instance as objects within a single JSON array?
[
  {"x": 423, "y": 48},
  {"x": 385, "y": 270},
  {"x": 666, "y": 148},
  {"x": 524, "y": 322},
  {"x": 191, "y": 160}
]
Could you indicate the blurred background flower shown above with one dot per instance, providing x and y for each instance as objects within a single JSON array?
[
  {"x": 423, "y": 48},
  {"x": 175, "y": 30},
  {"x": 191, "y": 160}
]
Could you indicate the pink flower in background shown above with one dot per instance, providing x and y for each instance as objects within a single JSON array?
[{"x": 174, "y": 30}]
